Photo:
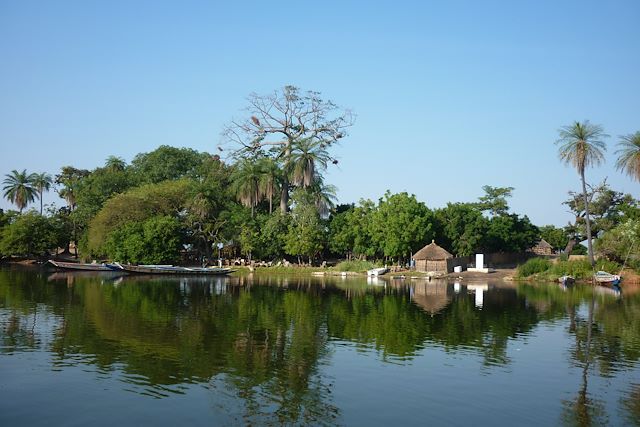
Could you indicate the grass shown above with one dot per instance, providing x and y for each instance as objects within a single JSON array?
[
  {"x": 533, "y": 266},
  {"x": 542, "y": 269},
  {"x": 350, "y": 266},
  {"x": 356, "y": 266}
]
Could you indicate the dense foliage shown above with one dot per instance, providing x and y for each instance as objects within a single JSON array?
[
  {"x": 32, "y": 235},
  {"x": 210, "y": 207}
]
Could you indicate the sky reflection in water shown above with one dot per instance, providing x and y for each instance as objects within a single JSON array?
[{"x": 273, "y": 350}]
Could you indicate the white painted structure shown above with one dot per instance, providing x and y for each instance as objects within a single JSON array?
[{"x": 479, "y": 267}]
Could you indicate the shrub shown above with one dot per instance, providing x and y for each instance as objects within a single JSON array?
[
  {"x": 533, "y": 266},
  {"x": 582, "y": 269},
  {"x": 355, "y": 265},
  {"x": 31, "y": 234}
]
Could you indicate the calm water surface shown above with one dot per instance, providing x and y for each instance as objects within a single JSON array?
[{"x": 79, "y": 349}]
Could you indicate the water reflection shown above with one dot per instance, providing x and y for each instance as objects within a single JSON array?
[{"x": 260, "y": 344}]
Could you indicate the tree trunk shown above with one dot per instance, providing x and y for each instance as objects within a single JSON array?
[
  {"x": 41, "y": 203},
  {"x": 587, "y": 220},
  {"x": 284, "y": 194},
  {"x": 570, "y": 244}
]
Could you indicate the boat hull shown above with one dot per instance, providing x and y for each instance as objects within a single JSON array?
[
  {"x": 377, "y": 271},
  {"x": 176, "y": 271},
  {"x": 83, "y": 266}
]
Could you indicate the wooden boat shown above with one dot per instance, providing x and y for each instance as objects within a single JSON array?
[
  {"x": 84, "y": 266},
  {"x": 603, "y": 277},
  {"x": 566, "y": 280},
  {"x": 170, "y": 269},
  {"x": 377, "y": 271}
]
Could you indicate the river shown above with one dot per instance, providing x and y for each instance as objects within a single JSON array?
[{"x": 104, "y": 349}]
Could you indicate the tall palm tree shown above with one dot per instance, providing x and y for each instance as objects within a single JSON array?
[
  {"x": 69, "y": 178},
  {"x": 245, "y": 183},
  {"x": 307, "y": 158},
  {"x": 18, "y": 188},
  {"x": 270, "y": 177},
  {"x": 324, "y": 196},
  {"x": 41, "y": 182},
  {"x": 629, "y": 155},
  {"x": 582, "y": 145},
  {"x": 114, "y": 163}
]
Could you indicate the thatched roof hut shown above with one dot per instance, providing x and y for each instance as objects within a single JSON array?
[
  {"x": 542, "y": 248},
  {"x": 433, "y": 258},
  {"x": 432, "y": 297}
]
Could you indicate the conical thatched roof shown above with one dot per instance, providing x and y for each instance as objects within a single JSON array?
[
  {"x": 432, "y": 252},
  {"x": 543, "y": 244}
]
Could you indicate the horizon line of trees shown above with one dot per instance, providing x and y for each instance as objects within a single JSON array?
[{"x": 271, "y": 200}]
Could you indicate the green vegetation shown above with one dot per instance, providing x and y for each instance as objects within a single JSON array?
[
  {"x": 629, "y": 155},
  {"x": 18, "y": 188},
  {"x": 543, "y": 269},
  {"x": 581, "y": 146},
  {"x": 175, "y": 204},
  {"x": 32, "y": 235},
  {"x": 533, "y": 266},
  {"x": 358, "y": 266}
]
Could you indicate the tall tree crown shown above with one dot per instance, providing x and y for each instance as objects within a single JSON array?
[{"x": 581, "y": 145}]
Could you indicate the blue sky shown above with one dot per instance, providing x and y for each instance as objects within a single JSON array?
[{"x": 449, "y": 95}]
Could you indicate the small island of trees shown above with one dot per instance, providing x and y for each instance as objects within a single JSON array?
[{"x": 268, "y": 200}]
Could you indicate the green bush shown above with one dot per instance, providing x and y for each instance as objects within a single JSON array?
[
  {"x": 31, "y": 234},
  {"x": 533, "y": 266},
  {"x": 582, "y": 269},
  {"x": 357, "y": 266},
  {"x": 154, "y": 241}
]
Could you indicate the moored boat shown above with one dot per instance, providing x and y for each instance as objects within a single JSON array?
[
  {"x": 84, "y": 266},
  {"x": 603, "y": 277},
  {"x": 377, "y": 271},
  {"x": 170, "y": 269},
  {"x": 566, "y": 280}
]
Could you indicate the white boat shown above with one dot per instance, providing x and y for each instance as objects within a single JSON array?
[
  {"x": 377, "y": 271},
  {"x": 604, "y": 277}
]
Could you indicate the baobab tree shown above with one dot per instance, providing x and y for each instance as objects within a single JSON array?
[{"x": 279, "y": 122}]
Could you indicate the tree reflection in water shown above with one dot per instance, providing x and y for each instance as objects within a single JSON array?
[{"x": 260, "y": 343}]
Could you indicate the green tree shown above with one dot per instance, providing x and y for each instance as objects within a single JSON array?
[
  {"x": 629, "y": 155},
  {"x": 18, "y": 188},
  {"x": 41, "y": 182},
  {"x": 30, "y": 234},
  {"x": 495, "y": 199},
  {"x": 622, "y": 243},
  {"x": 400, "y": 225},
  {"x": 461, "y": 227},
  {"x": 324, "y": 196},
  {"x": 308, "y": 158},
  {"x": 510, "y": 233},
  {"x": 306, "y": 234},
  {"x": 273, "y": 233},
  {"x": 205, "y": 217},
  {"x": 280, "y": 121},
  {"x": 270, "y": 179},
  {"x": 607, "y": 208},
  {"x": 114, "y": 163},
  {"x": 246, "y": 183},
  {"x": 555, "y": 236},
  {"x": 93, "y": 190},
  {"x": 167, "y": 198},
  {"x": 167, "y": 163},
  {"x": 156, "y": 240},
  {"x": 582, "y": 145},
  {"x": 70, "y": 178},
  {"x": 350, "y": 230}
]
